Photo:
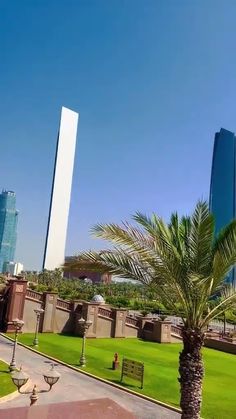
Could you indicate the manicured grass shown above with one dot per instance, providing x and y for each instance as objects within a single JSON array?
[
  {"x": 161, "y": 368},
  {"x": 6, "y": 384}
]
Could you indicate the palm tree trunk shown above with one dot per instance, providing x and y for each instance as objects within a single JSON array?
[{"x": 191, "y": 372}]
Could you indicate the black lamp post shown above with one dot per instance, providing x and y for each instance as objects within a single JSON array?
[
  {"x": 18, "y": 324},
  {"x": 38, "y": 312},
  {"x": 84, "y": 325},
  {"x": 19, "y": 378}
]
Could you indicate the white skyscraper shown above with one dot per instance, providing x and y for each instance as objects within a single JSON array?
[
  {"x": 54, "y": 253},
  {"x": 13, "y": 268}
]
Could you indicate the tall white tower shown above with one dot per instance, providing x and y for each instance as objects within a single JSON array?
[{"x": 54, "y": 252}]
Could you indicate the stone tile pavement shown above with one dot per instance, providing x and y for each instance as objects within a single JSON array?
[{"x": 84, "y": 409}]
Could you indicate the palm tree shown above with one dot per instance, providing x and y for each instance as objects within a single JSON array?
[{"x": 187, "y": 265}]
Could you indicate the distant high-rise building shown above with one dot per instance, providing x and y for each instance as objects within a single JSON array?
[
  {"x": 13, "y": 268},
  {"x": 223, "y": 183},
  {"x": 54, "y": 253},
  {"x": 8, "y": 227}
]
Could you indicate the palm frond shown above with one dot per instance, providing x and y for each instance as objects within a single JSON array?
[
  {"x": 224, "y": 250},
  {"x": 201, "y": 239},
  {"x": 227, "y": 301}
]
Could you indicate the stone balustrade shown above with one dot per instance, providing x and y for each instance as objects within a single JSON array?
[
  {"x": 61, "y": 316},
  {"x": 34, "y": 295},
  {"x": 65, "y": 305},
  {"x": 176, "y": 330},
  {"x": 104, "y": 312},
  {"x": 131, "y": 321}
]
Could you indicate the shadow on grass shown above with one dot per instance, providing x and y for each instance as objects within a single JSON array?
[
  {"x": 76, "y": 365},
  {"x": 124, "y": 384},
  {"x": 66, "y": 334}
]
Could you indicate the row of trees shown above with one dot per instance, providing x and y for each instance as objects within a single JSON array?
[
  {"x": 120, "y": 294},
  {"x": 133, "y": 296}
]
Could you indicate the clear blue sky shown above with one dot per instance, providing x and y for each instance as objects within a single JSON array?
[{"x": 152, "y": 79}]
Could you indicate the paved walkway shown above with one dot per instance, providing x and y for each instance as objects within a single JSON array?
[{"x": 74, "y": 386}]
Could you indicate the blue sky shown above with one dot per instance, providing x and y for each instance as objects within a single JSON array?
[{"x": 152, "y": 80}]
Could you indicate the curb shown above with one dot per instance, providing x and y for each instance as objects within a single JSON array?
[
  {"x": 8, "y": 397},
  {"x": 103, "y": 380},
  {"x": 15, "y": 393}
]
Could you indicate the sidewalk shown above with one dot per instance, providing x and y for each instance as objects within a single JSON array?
[{"x": 74, "y": 386}]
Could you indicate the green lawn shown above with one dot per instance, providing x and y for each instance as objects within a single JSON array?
[
  {"x": 161, "y": 368},
  {"x": 6, "y": 384}
]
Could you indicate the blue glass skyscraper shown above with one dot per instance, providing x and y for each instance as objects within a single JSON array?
[
  {"x": 223, "y": 182},
  {"x": 8, "y": 227}
]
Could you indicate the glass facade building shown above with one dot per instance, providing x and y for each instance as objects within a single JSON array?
[
  {"x": 8, "y": 227},
  {"x": 223, "y": 182}
]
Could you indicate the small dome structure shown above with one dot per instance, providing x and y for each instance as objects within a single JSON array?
[{"x": 98, "y": 299}]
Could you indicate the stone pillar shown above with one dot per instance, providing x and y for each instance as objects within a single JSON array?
[
  {"x": 162, "y": 331},
  {"x": 16, "y": 302},
  {"x": 141, "y": 324},
  {"x": 143, "y": 320},
  {"x": 120, "y": 318},
  {"x": 50, "y": 302},
  {"x": 77, "y": 305},
  {"x": 90, "y": 312}
]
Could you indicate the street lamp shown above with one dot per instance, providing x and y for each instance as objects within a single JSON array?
[
  {"x": 84, "y": 325},
  {"x": 18, "y": 324},
  {"x": 51, "y": 377},
  {"x": 20, "y": 378},
  {"x": 38, "y": 312}
]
